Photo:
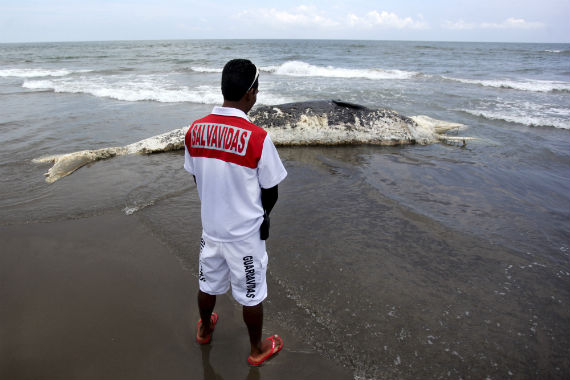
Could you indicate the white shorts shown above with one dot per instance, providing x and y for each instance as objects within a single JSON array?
[{"x": 242, "y": 263}]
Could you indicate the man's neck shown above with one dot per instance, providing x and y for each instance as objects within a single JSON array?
[{"x": 239, "y": 105}]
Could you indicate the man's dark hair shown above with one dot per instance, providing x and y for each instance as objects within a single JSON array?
[{"x": 237, "y": 78}]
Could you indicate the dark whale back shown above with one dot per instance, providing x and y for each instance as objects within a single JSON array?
[{"x": 336, "y": 111}]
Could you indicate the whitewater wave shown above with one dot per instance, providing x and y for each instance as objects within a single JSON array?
[
  {"x": 130, "y": 210},
  {"x": 523, "y": 85},
  {"x": 199, "y": 69},
  {"x": 38, "y": 73},
  {"x": 528, "y": 120},
  {"x": 139, "y": 88},
  {"x": 303, "y": 69},
  {"x": 130, "y": 91},
  {"x": 556, "y": 51}
]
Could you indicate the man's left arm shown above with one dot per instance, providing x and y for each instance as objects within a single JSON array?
[
  {"x": 270, "y": 173},
  {"x": 268, "y": 200}
]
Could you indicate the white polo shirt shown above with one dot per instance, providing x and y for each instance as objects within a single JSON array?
[{"x": 232, "y": 160}]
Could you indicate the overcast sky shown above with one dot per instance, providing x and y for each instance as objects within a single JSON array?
[{"x": 428, "y": 20}]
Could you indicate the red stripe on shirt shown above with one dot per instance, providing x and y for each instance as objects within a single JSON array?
[{"x": 227, "y": 138}]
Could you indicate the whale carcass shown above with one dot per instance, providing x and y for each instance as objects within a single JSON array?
[
  {"x": 340, "y": 123},
  {"x": 302, "y": 123}
]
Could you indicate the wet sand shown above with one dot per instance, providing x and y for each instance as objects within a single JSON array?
[{"x": 101, "y": 297}]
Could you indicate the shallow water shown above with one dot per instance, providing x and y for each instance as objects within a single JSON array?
[{"x": 385, "y": 290}]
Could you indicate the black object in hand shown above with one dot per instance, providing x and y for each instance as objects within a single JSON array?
[{"x": 264, "y": 229}]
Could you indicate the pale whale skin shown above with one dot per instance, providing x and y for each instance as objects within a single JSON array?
[{"x": 303, "y": 123}]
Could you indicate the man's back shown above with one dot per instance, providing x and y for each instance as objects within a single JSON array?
[{"x": 232, "y": 160}]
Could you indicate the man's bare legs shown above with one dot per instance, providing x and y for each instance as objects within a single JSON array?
[
  {"x": 253, "y": 318},
  {"x": 206, "y": 303}
]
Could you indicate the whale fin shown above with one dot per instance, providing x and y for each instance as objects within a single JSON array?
[{"x": 340, "y": 103}]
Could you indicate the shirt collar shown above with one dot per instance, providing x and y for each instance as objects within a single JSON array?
[{"x": 229, "y": 111}]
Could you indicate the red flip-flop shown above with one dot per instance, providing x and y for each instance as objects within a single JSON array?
[
  {"x": 274, "y": 351},
  {"x": 206, "y": 340}
]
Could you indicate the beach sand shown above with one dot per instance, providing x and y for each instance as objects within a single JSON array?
[{"x": 101, "y": 297}]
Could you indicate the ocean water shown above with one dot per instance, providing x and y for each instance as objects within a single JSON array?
[{"x": 419, "y": 261}]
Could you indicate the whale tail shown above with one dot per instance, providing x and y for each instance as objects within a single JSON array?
[{"x": 65, "y": 164}]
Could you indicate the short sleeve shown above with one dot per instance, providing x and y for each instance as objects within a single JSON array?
[
  {"x": 270, "y": 169},
  {"x": 188, "y": 161}
]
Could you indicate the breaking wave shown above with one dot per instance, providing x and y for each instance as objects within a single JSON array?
[
  {"x": 140, "y": 88},
  {"x": 303, "y": 69},
  {"x": 38, "y": 73},
  {"x": 526, "y": 114},
  {"x": 557, "y": 51},
  {"x": 130, "y": 91},
  {"x": 523, "y": 85},
  {"x": 206, "y": 69}
]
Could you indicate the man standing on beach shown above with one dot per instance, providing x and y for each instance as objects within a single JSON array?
[{"x": 236, "y": 169}]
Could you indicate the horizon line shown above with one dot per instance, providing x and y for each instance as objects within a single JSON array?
[{"x": 278, "y": 39}]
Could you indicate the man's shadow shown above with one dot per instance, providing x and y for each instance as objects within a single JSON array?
[
  {"x": 210, "y": 372},
  {"x": 253, "y": 373}
]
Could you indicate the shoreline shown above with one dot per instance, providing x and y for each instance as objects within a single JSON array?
[{"x": 101, "y": 297}]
